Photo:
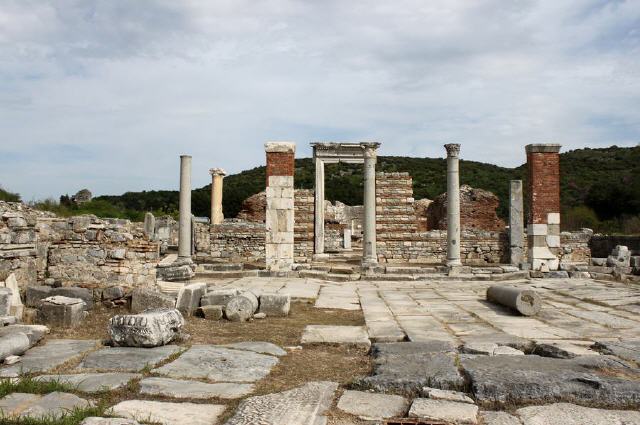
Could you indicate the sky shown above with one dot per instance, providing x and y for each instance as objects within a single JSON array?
[{"x": 106, "y": 94}]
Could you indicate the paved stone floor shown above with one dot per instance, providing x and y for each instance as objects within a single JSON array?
[{"x": 423, "y": 335}]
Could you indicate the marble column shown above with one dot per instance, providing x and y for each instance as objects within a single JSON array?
[
  {"x": 217, "y": 177},
  {"x": 184, "y": 224},
  {"x": 369, "y": 257},
  {"x": 453, "y": 205},
  {"x": 319, "y": 208},
  {"x": 516, "y": 223}
]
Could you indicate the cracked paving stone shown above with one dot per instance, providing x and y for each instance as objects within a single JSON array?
[
  {"x": 127, "y": 359},
  {"x": 193, "y": 389}
]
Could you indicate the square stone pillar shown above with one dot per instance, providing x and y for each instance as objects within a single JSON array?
[
  {"x": 516, "y": 223},
  {"x": 319, "y": 208},
  {"x": 279, "y": 214},
  {"x": 543, "y": 230}
]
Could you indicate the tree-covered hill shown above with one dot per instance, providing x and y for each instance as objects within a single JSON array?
[
  {"x": 599, "y": 187},
  {"x": 8, "y": 196}
]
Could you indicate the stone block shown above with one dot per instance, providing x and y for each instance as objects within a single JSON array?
[
  {"x": 372, "y": 406},
  {"x": 620, "y": 257},
  {"x": 218, "y": 296},
  {"x": 152, "y": 328},
  {"x": 35, "y": 294},
  {"x": 5, "y": 301},
  {"x": 75, "y": 292},
  {"x": 553, "y": 218},
  {"x": 189, "y": 298},
  {"x": 15, "y": 344},
  {"x": 444, "y": 410},
  {"x": 112, "y": 293},
  {"x": 275, "y": 305},
  {"x": 62, "y": 311},
  {"x": 144, "y": 299},
  {"x": 167, "y": 413},
  {"x": 212, "y": 312}
]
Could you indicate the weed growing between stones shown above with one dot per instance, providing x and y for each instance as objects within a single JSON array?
[{"x": 26, "y": 384}]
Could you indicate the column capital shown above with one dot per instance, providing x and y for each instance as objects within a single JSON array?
[
  {"x": 217, "y": 172},
  {"x": 370, "y": 149},
  {"x": 453, "y": 149}
]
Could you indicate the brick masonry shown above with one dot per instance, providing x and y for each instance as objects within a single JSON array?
[{"x": 543, "y": 184}]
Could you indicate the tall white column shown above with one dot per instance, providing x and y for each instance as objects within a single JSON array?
[
  {"x": 453, "y": 205},
  {"x": 217, "y": 177},
  {"x": 369, "y": 258},
  {"x": 319, "y": 208},
  {"x": 184, "y": 224}
]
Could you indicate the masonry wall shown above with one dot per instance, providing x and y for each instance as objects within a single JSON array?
[
  {"x": 38, "y": 246},
  {"x": 91, "y": 251},
  {"x": 602, "y": 245}
]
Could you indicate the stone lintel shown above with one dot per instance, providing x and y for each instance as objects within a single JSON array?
[
  {"x": 543, "y": 148},
  {"x": 286, "y": 147}
]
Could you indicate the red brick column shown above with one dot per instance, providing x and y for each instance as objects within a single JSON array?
[
  {"x": 279, "y": 216},
  {"x": 543, "y": 193}
]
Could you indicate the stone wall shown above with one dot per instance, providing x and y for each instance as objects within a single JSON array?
[
  {"x": 91, "y": 251},
  {"x": 395, "y": 213},
  {"x": 233, "y": 240},
  {"x": 39, "y": 246},
  {"x": 304, "y": 204},
  {"x": 18, "y": 241}
]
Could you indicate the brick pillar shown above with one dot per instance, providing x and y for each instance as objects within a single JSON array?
[
  {"x": 543, "y": 230},
  {"x": 280, "y": 213}
]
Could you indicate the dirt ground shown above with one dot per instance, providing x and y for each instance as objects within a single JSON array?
[{"x": 340, "y": 364}]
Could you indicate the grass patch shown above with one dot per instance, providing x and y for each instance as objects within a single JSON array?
[
  {"x": 30, "y": 385},
  {"x": 73, "y": 417}
]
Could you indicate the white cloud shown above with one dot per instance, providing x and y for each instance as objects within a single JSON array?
[{"x": 107, "y": 94}]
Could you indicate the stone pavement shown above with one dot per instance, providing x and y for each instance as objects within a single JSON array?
[{"x": 440, "y": 352}]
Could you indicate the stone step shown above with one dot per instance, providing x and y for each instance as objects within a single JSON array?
[
  {"x": 219, "y": 267},
  {"x": 227, "y": 274}
]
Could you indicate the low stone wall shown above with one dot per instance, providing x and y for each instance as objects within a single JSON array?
[
  {"x": 236, "y": 240},
  {"x": 91, "y": 251},
  {"x": 18, "y": 242},
  {"x": 477, "y": 247},
  {"x": 38, "y": 246}
]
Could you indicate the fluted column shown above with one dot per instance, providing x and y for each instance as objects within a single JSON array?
[
  {"x": 217, "y": 177},
  {"x": 369, "y": 257},
  {"x": 184, "y": 224},
  {"x": 453, "y": 205}
]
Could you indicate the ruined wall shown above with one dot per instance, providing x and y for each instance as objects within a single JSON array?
[
  {"x": 395, "y": 213},
  {"x": 91, "y": 251},
  {"x": 304, "y": 204},
  {"x": 37, "y": 245},
  {"x": 234, "y": 240},
  {"x": 477, "y": 211},
  {"x": 18, "y": 241}
]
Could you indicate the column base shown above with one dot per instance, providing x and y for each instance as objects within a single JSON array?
[
  {"x": 369, "y": 266},
  {"x": 453, "y": 262}
]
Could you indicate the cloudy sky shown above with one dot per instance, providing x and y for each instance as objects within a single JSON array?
[{"x": 106, "y": 94}]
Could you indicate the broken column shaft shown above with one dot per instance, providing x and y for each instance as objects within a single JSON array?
[
  {"x": 217, "y": 179},
  {"x": 526, "y": 301}
]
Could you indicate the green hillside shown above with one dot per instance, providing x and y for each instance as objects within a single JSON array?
[
  {"x": 600, "y": 188},
  {"x": 8, "y": 196}
]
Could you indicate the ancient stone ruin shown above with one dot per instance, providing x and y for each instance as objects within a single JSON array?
[{"x": 429, "y": 311}]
